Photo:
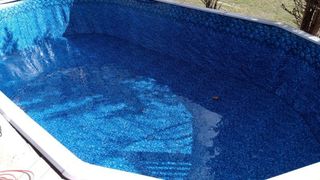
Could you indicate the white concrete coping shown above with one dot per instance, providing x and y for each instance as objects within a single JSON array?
[
  {"x": 69, "y": 165},
  {"x": 19, "y": 159},
  {"x": 280, "y": 25},
  {"x": 311, "y": 172},
  {"x": 8, "y": 3}
]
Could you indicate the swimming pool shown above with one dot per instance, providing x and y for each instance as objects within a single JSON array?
[{"x": 164, "y": 90}]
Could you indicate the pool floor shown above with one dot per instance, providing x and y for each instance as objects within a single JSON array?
[{"x": 119, "y": 105}]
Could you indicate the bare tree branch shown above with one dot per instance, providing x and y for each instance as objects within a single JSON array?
[{"x": 297, "y": 11}]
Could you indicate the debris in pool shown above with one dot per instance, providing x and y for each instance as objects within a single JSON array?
[{"x": 216, "y": 98}]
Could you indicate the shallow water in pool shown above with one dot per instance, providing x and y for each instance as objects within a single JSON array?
[{"x": 119, "y": 105}]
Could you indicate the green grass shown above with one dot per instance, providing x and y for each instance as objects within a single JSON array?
[{"x": 265, "y": 9}]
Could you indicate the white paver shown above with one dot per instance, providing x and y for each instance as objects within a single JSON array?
[{"x": 17, "y": 154}]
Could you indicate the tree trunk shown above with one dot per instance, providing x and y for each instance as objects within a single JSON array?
[
  {"x": 213, "y": 4},
  {"x": 311, "y": 17},
  {"x": 315, "y": 26}
]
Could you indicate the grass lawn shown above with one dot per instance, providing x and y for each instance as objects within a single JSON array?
[{"x": 265, "y": 9}]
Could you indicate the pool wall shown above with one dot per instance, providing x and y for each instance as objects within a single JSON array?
[
  {"x": 275, "y": 57},
  {"x": 25, "y": 22},
  {"x": 142, "y": 20}
]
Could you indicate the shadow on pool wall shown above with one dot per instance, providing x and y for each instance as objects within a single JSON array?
[{"x": 269, "y": 57}]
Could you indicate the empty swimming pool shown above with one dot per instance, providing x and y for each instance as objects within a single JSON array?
[{"x": 141, "y": 86}]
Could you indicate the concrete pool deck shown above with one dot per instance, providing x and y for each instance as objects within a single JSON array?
[{"x": 17, "y": 154}]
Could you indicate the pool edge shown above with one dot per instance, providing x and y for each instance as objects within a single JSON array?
[
  {"x": 69, "y": 165},
  {"x": 310, "y": 172},
  {"x": 278, "y": 24}
]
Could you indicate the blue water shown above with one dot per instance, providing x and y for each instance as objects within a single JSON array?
[
  {"x": 127, "y": 85},
  {"x": 119, "y": 105}
]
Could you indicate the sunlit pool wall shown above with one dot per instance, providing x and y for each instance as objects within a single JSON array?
[
  {"x": 27, "y": 29},
  {"x": 22, "y": 23},
  {"x": 268, "y": 56}
]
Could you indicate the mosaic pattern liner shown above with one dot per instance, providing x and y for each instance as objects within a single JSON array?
[
  {"x": 268, "y": 34},
  {"x": 208, "y": 71}
]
